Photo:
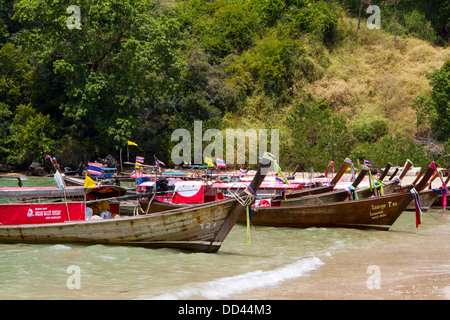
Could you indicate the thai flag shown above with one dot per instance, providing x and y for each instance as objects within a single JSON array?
[
  {"x": 279, "y": 179},
  {"x": 367, "y": 163},
  {"x": 242, "y": 170},
  {"x": 94, "y": 169},
  {"x": 220, "y": 163},
  {"x": 160, "y": 163},
  {"x": 139, "y": 159}
]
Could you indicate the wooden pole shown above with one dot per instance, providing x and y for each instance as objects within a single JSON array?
[
  {"x": 121, "y": 164},
  {"x": 67, "y": 206}
]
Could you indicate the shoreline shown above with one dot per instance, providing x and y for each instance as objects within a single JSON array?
[{"x": 410, "y": 265}]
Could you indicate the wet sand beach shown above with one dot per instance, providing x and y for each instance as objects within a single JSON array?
[{"x": 409, "y": 264}]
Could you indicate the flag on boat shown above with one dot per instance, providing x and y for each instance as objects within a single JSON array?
[
  {"x": 131, "y": 143},
  {"x": 94, "y": 169},
  {"x": 367, "y": 163},
  {"x": 140, "y": 159},
  {"x": 159, "y": 163},
  {"x": 220, "y": 163},
  {"x": 276, "y": 167},
  {"x": 242, "y": 170},
  {"x": 88, "y": 182},
  {"x": 209, "y": 162},
  {"x": 59, "y": 180}
]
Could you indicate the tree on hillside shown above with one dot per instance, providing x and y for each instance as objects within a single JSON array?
[
  {"x": 361, "y": 4},
  {"x": 315, "y": 136},
  {"x": 394, "y": 3},
  {"x": 434, "y": 107},
  {"x": 16, "y": 82},
  {"x": 106, "y": 73}
]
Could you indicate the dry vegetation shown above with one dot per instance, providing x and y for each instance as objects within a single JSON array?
[
  {"x": 363, "y": 79},
  {"x": 372, "y": 77}
]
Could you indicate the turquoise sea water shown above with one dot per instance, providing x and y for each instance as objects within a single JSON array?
[{"x": 276, "y": 257}]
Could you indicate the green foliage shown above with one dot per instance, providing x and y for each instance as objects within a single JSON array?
[
  {"x": 32, "y": 136},
  {"x": 370, "y": 131},
  {"x": 428, "y": 20},
  {"x": 271, "y": 10},
  {"x": 16, "y": 75},
  {"x": 139, "y": 69},
  {"x": 5, "y": 130},
  {"x": 123, "y": 58},
  {"x": 272, "y": 63},
  {"x": 318, "y": 18},
  {"x": 222, "y": 27},
  {"x": 315, "y": 136},
  {"x": 16, "y": 84},
  {"x": 440, "y": 81},
  {"x": 446, "y": 156},
  {"x": 410, "y": 22},
  {"x": 395, "y": 150},
  {"x": 434, "y": 108}
]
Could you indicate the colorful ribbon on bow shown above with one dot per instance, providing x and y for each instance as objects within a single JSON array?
[
  {"x": 248, "y": 209},
  {"x": 444, "y": 190},
  {"x": 418, "y": 207},
  {"x": 374, "y": 185},
  {"x": 350, "y": 191}
]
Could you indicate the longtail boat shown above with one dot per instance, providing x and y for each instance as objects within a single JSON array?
[
  {"x": 429, "y": 196},
  {"x": 352, "y": 192},
  {"x": 321, "y": 189},
  {"x": 40, "y": 192},
  {"x": 370, "y": 213},
  {"x": 330, "y": 196},
  {"x": 199, "y": 228}
]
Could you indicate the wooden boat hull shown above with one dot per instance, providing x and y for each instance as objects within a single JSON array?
[
  {"x": 202, "y": 228},
  {"x": 158, "y": 206},
  {"x": 318, "y": 190},
  {"x": 41, "y": 192},
  {"x": 438, "y": 203},
  {"x": 335, "y": 196},
  {"x": 372, "y": 213},
  {"x": 427, "y": 199},
  {"x": 199, "y": 228}
]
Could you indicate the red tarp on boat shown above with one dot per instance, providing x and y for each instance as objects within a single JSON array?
[
  {"x": 189, "y": 192},
  {"x": 41, "y": 213}
]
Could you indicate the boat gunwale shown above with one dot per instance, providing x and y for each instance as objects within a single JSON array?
[
  {"x": 337, "y": 203},
  {"x": 172, "y": 212}
]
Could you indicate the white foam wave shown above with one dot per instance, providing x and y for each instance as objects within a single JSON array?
[
  {"x": 59, "y": 247},
  {"x": 225, "y": 287}
]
